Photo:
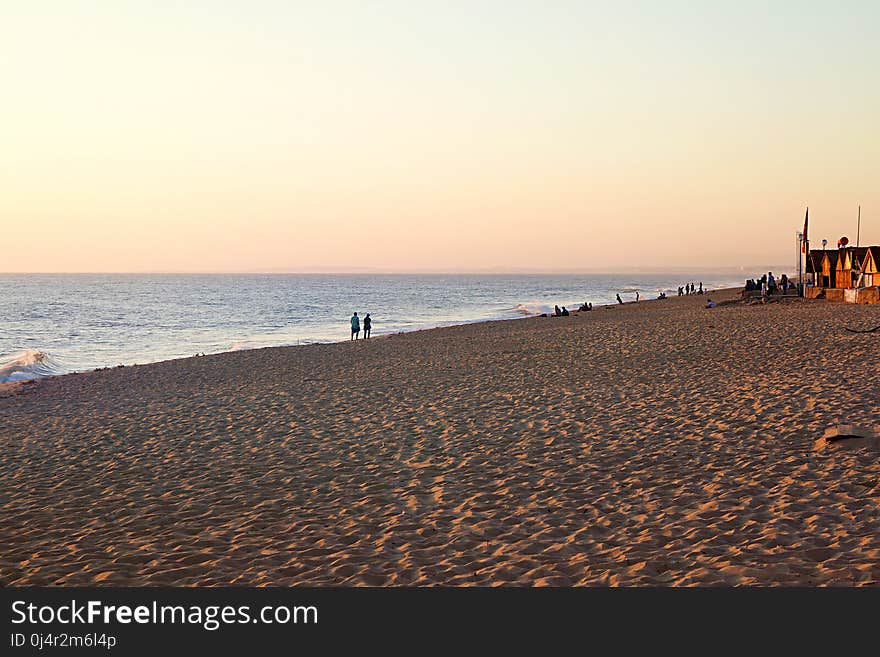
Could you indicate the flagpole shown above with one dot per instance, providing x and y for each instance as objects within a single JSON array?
[
  {"x": 859, "y": 228},
  {"x": 803, "y": 248},
  {"x": 800, "y": 248}
]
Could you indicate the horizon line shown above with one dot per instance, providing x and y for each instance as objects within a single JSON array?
[{"x": 411, "y": 272}]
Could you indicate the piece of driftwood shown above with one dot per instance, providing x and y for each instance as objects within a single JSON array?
[
  {"x": 847, "y": 435},
  {"x": 842, "y": 431}
]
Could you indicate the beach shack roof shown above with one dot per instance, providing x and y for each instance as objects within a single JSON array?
[
  {"x": 857, "y": 255},
  {"x": 831, "y": 258},
  {"x": 814, "y": 261},
  {"x": 871, "y": 260}
]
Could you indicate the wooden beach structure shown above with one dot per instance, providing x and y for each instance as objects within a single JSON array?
[
  {"x": 850, "y": 266},
  {"x": 848, "y": 274},
  {"x": 870, "y": 272},
  {"x": 840, "y": 272},
  {"x": 828, "y": 269},
  {"x": 813, "y": 267}
]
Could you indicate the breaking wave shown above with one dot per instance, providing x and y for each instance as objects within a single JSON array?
[
  {"x": 27, "y": 364},
  {"x": 533, "y": 308},
  {"x": 242, "y": 346}
]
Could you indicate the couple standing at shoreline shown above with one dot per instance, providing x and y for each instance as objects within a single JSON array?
[{"x": 356, "y": 326}]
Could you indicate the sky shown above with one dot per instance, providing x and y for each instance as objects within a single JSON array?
[{"x": 160, "y": 135}]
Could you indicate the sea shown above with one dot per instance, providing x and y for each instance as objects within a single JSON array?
[{"x": 59, "y": 323}]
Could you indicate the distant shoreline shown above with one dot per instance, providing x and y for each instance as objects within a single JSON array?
[{"x": 376, "y": 336}]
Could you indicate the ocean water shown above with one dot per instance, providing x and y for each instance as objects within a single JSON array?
[{"x": 59, "y": 323}]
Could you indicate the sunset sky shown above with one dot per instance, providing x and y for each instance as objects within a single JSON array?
[{"x": 433, "y": 136}]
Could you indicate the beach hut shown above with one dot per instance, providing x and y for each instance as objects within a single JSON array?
[
  {"x": 814, "y": 267},
  {"x": 828, "y": 269},
  {"x": 842, "y": 278},
  {"x": 852, "y": 266},
  {"x": 870, "y": 263}
]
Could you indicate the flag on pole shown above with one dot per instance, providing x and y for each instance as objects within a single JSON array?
[{"x": 805, "y": 238}]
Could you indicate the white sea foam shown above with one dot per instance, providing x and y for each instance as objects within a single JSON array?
[
  {"x": 241, "y": 346},
  {"x": 534, "y": 308},
  {"x": 27, "y": 364}
]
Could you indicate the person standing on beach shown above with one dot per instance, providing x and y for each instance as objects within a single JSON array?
[
  {"x": 368, "y": 325},
  {"x": 637, "y": 296},
  {"x": 355, "y": 327},
  {"x": 619, "y": 300}
]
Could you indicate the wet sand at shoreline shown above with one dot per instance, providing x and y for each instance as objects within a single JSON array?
[{"x": 658, "y": 443}]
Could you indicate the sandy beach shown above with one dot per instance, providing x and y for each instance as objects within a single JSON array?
[{"x": 659, "y": 443}]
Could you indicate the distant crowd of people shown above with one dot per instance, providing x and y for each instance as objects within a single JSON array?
[
  {"x": 688, "y": 289},
  {"x": 768, "y": 284},
  {"x": 356, "y": 326}
]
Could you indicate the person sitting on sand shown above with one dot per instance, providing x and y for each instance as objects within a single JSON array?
[
  {"x": 368, "y": 325},
  {"x": 355, "y": 327},
  {"x": 565, "y": 312},
  {"x": 619, "y": 300},
  {"x": 711, "y": 304},
  {"x": 557, "y": 312}
]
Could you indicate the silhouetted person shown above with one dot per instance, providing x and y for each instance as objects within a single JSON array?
[
  {"x": 619, "y": 300},
  {"x": 557, "y": 312},
  {"x": 355, "y": 327},
  {"x": 701, "y": 288},
  {"x": 565, "y": 312},
  {"x": 368, "y": 325}
]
